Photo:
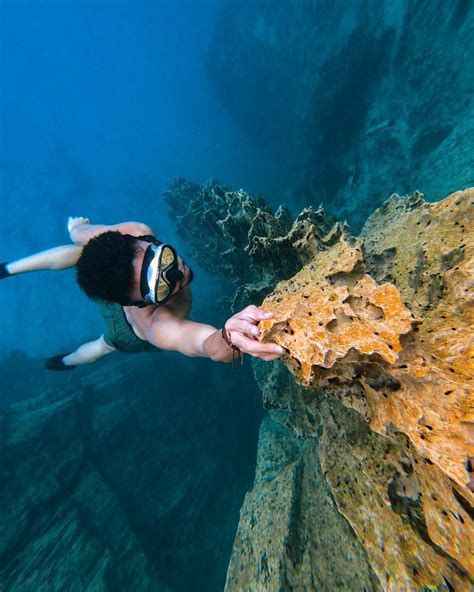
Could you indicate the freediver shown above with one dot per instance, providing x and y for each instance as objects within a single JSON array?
[{"x": 142, "y": 287}]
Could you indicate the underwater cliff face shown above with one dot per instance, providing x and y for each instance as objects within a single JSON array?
[
  {"x": 371, "y": 430},
  {"x": 409, "y": 376},
  {"x": 291, "y": 534},
  {"x": 354, "y": 100},
  {"x": 125, "y": 476}
]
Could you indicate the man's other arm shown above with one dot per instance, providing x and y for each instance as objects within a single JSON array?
[{"x": 81, "y": 233}]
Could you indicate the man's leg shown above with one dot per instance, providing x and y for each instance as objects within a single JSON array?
[
  {"x": 86, "y": 354},
  {"x": 57, "y": 258}
]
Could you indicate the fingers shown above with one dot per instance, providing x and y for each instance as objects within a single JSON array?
[
  {"x": 247, "y": 328},
  {"x": 256, "y": 348},
  {"x": 246, "y": 321},
  {"x": 253, "y": 313},
  {"x": 268, "y": 358},
  {"x": 243, "y": 331}
]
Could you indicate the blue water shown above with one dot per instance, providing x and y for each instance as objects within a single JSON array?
[{"x": 102, "y": 103}]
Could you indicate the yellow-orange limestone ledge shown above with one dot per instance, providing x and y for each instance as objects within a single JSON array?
[{"x": 408, "y": 343}]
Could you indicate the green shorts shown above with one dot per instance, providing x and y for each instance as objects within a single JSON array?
[{"x": 119, "y": 333}]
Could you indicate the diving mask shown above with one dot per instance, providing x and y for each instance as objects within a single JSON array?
[{"x": 160, "y": 273}]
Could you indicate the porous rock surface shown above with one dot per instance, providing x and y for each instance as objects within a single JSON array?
[
  {"x": 347, "y": 473},
  {"x": 408, "y": 370},
  {"x": 328, "y": 326}
]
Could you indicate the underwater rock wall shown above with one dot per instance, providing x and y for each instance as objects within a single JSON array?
[
  {"x": 291, "y": 535},
  {"x": 340, "y": 326},
  {"x": 408, "y": 369},
  {"x": 364, "y": 476},
  {"x": 353, "y": 100},
  {"x": 123, "y": 476},
  {"x": 400, "y": 354}
]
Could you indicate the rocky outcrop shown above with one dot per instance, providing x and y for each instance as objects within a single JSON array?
[
  {"x": 290, "y": 530},
  {"x": 255, "y": 247},
  {"x": 350, "y": 474},
  {"x": 332, "y": 321},
  {"x": 336, "y": 322},
  {"x": 122, "y": 476},
  {"x": 353, "y": 338},
  {"x": 371, "y": 427}
]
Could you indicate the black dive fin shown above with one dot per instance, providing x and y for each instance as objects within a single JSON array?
[{"x": 57, "y": 363}]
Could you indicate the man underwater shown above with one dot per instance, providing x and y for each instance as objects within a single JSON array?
[{"x": 142, "y": 288}]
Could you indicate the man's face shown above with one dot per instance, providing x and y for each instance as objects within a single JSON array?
[{"x": 137, "y": 264}]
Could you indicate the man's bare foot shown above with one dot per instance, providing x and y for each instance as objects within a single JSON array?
[{"x": 74, "y": 222}]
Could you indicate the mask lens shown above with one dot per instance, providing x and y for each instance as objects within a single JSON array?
[
  {"x": 168, "y": 259},
  {"x": 162, "y": 291}
]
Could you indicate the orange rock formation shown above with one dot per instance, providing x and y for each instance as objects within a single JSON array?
[{"x": 402, "y": 338}]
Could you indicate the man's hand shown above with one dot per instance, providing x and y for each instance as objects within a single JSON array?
[
  {"x": 243, "y": 331},
  {"x": 73, "y": 223}
]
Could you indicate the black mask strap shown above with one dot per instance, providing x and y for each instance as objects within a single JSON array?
[{"x": 149, "y": 238}]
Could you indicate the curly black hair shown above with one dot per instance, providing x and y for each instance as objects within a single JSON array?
[{"x": 105, "y": 267}]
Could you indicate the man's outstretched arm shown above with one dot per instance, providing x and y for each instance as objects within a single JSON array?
[
  {"x": 56, "y": 258},
  {"x": 198, "y": 339},
  {"x": 66, "y": 256}
]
